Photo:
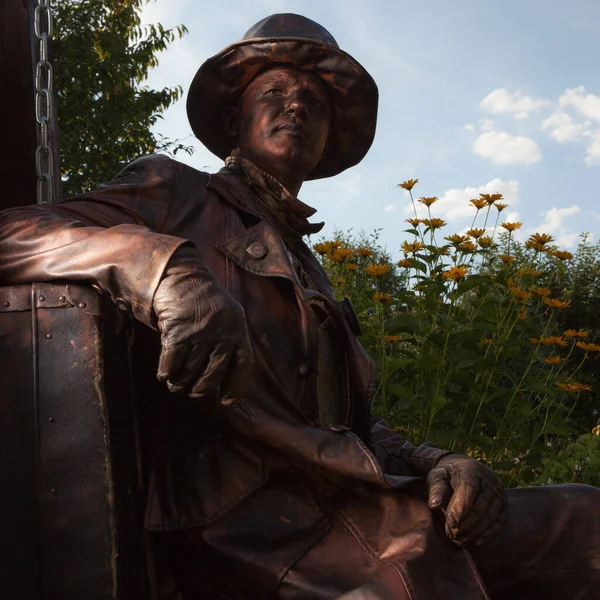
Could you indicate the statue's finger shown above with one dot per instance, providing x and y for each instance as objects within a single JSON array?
[
  {"x": 478, "y": 514},
  {"x": 438, "y": 483},
  {"x": 462, "y": 501},
  {"x": 170, "y": 360}
]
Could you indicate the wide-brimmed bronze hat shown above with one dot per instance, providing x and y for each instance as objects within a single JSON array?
[{"x": 287, "y": 40}]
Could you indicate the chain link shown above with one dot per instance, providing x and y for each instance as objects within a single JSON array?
[{"x": 44, "y": 90}]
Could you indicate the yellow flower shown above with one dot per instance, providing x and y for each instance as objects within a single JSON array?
[
  {"x": 412, "y": 247},
  {"x": 506, "y": 258},
  {"x": 485, "y": 241},
  {"x": 580, "y": 387},
  {"x": 573, "y": 333},
  {"x": 408, "y": 185},
  {"x": 434, "y": 223},
  {"x": 339, "y": 281},
  {"x": 554, "y": 360},
  {"x": 414, "y": 222},
  {"x": 500, "y": 206},
  {"x": 365, "y": 252},
  {"x": 573, "y": 386},
  {"x": 405, "y": 263},
  {"x": 534, "y": 340},
  {"x": 467, "y": 247},
  {"x": 538, "y": 241},
  {"x": 562, "y": 255},
  {"x": 378, "y": 270},
  {"x": 476, "y": 232},
  {"x": 525, "y": 272},
  {"x": 457, "y": 239},
  {"x": 341, "y": 254},
  {"x": 427, "y": 201},
  {"x": 478, "y": 203},
  {"x": 491, "y": 198},
  {"x": 517, "y": 293},
  {"x": 511, "y": 226},
  {"x": 382, "y": 298},
  {"x": 596, "y": 430},
  {"x": 486, "y": 341},
  {"x": 455, "y": 273},
  {"x": 554, "y": 340},
  {"x": 523, "y": 316},
  {"x": 541, "y": 291},
  {"x": 390, "y": 339},
  {"x": 554, "y": 303},
  {"x": 588, "y": 347},
  {"x": 352, "y": 266},
  {"x": 325, "y": 247}
]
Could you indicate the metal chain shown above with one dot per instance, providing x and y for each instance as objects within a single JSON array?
[{"x": 44, "y": 159}]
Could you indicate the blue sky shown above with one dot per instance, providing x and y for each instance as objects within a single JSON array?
[{"x": 475, "y": 96}]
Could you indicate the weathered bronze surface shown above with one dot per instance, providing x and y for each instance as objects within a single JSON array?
[
  {"x": 253, "y": 493},
  {"x": 70, "y": 512}
]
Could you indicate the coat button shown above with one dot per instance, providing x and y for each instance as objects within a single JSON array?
[
  {"x": 304, "y": 367},
  {"x": 257, "y": 251}
]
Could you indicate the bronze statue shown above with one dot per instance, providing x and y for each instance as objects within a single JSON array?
[{"x": 269, "y": 477}]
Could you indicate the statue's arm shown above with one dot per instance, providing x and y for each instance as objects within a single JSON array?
[
  {"x": 399, "y": 456},
  {"x": 110, "y": 237}
]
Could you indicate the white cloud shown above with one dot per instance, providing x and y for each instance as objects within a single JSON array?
[
  {"x": 469, "y": 127},
  {"x": 593, "y": 150},
  {"x": 506, "y": 149},
  {"x": 486, "y": 124},
  {"x": 555, "y": 217},
  {"x": 501, "y": 101},
  {"x": 390, "y": 208},
  {"x": 454, "y": 203},
  {"x": 554, "y": 223},
  {"x": 588, "y": 105},
  {"x": 562, "y": 128}
]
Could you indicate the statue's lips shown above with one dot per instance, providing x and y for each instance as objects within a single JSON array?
[{"x": 293, "y": 129}]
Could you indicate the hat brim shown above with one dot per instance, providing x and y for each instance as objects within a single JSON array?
[{"x": 219, "y": 82}]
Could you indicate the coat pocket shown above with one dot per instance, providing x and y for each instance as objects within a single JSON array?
[{"x": 205, "y": 484}]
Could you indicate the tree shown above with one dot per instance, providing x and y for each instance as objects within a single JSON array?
[{"x": 102, "y": 56}]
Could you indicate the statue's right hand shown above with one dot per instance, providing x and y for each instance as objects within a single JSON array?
[{"x": 206, "y": 350}]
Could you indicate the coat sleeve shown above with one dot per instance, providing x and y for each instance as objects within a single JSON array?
[
  {"x": 398, "y": 456},
  {"x": 111, "y": 237}
]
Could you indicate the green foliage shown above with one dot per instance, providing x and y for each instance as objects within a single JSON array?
[
  {"x": 102, "y": 56},
  {"x": 579, "y": 462},
  {"x": 467, "y": 337}
]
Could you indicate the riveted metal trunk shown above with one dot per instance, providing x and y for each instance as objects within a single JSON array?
[{"x": 70, "y": 523}]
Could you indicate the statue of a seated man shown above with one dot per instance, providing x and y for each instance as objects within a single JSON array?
[{"x": 281, "y": 484}]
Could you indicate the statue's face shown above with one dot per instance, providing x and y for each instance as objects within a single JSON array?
[{"x": 284, "y": 121}]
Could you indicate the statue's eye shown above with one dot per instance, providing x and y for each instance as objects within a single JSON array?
[
  {"x": 273, "y": 92},
  {"x": 316, "y": 102}
]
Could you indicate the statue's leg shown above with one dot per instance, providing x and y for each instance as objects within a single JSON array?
[
  {"x": 549, "y": 547},
  {"x": 291, "y": 542}
]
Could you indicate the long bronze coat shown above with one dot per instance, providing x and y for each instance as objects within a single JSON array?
[
  {"x": 272, "y": 494},
  {"x": 121, "y": 235}
]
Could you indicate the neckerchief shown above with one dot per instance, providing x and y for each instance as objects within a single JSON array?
[{"x": 273, "y": 194}]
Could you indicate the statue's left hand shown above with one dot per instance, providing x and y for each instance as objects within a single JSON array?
[{"x": 473, "y": 497}]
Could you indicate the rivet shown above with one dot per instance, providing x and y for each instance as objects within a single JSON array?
[
  {"x": 53, "y": 491},
  {"x": 42, "y": 298},
  {"x": 82, "y": 305},
  {"x": 304, "y": 367},
  {"x": 6, "y": 303},
  {"x": 51, "y": 419},
  {"x": 62, "y": 299},
  {"x": 48, "y": 336}
]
